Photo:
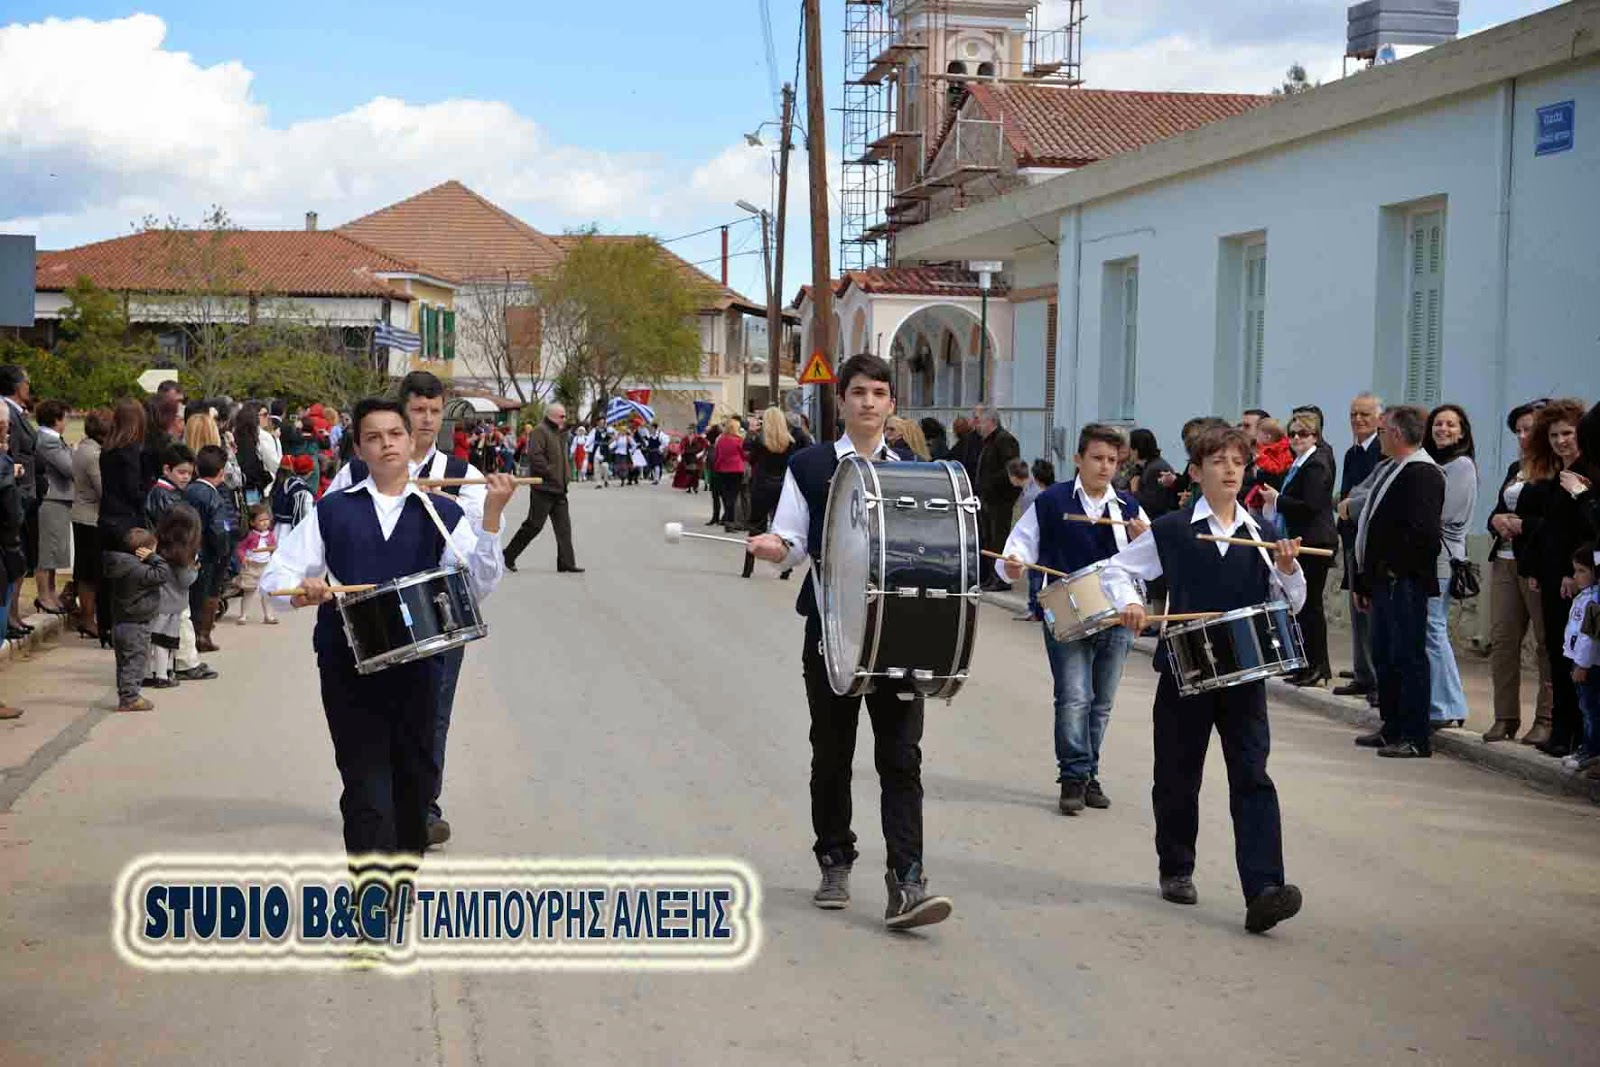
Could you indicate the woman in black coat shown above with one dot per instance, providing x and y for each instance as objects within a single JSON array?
[
  {"x": 767, "y": 451},
  {"x": 1304, "y": 504},
  {"x": 121, "y": 491}
]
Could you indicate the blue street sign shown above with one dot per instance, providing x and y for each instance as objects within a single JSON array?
[{"x": 1557, "y": 123}]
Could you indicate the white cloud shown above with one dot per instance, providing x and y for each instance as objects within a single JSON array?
[
  {"x": 1183, "y": 63},
  {"x": 100, "y": 124}
]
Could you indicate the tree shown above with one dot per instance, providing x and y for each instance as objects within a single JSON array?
[
  {"x": 618, "y": 310},
  {"x": 1296, "y": 82},
  {"x": 95, "y": 359},
  {"x": 499, "y": 327}
]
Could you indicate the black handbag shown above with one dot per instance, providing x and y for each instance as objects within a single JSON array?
[{"x": 1464, "y": 576}]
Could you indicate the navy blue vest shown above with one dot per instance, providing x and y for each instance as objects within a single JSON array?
[
  {"x": 356, "y": 552},
  {"x": 283, "y": 498},
  {"x": 813, "y": 469},
  {"x": 1069, "y": 546},
  {"x": 1201, "y": 579},
  {"x": 454, "y": 467}
]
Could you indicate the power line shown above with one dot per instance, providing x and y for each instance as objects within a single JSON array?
[
  {"x": 771, "y": 50},
  {"x": 708, "y": 229},
  {"x": 731, "y": 255}
]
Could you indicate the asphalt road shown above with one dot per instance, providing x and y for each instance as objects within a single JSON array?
[{"x": 653, "y": 707}]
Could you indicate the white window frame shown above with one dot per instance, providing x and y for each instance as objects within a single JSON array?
[
  {"x": 1423, "y": 340},
  {"x": 1252, "y": 323},
  {"x": 1128, "y": 339}
]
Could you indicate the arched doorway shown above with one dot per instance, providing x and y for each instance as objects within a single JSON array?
[{"x": 935, "y": 355}]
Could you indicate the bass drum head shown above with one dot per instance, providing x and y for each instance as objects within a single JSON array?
[{"x": 850, "y": 566}]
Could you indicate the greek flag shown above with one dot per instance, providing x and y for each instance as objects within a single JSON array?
[
  {"x": 622, "y": 409},
  {"x": 395, "y": 337}
]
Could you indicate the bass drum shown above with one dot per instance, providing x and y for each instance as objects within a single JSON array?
[{"x": 899, "y": 579}]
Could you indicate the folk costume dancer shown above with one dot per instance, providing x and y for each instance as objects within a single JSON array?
[
  {"x": 866, "y": 400},
  {"x": 1087, "y": 670},
  {"x": 384, "y": 725},
  {"x": 422, "y": 396},
  {"x": 1202, "y": 576}
]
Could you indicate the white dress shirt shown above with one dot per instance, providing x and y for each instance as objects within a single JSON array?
[
  {"x": 792, "y": 520},
  {"x": 1141, "y": 560},
  {"x": 301, "y": 554},
  {"x": 1023, "y": 543},
  {"x": 1270, "y": 509},
  {"x": 432, "y": 465}
]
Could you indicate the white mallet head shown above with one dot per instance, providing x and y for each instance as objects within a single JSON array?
[{"x": 674, "y": 532}]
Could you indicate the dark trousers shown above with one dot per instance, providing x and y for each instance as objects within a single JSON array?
[
  {"x": 448, "y": 666},
  {"x": 206, "y": 585},
  {"x": 1566, "y": 721},
  {"x": 731, "y": 484},
  {"x": 383, "y": 730},
  {"x": 1313, "y": 620},
  {"x": 542, "y": 506},
  {"x": 1400, "y": 659},
  {"x": 1182, "y": 735},
  {"x": 896, "y": 751},
  {"x": 995, "y": 521},
  {"x": 131, "y": 640},
  {"x": 717, "y": 516}
]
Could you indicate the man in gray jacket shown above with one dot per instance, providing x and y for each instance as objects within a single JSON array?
[{"x": 547, "y": 459}]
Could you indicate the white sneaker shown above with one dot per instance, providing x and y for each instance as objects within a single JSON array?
[{"x": 1571, "y": 763}]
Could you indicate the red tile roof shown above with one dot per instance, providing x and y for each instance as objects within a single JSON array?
[
  {"x": 454, "y": 230},
  {"x": 1058, "y": 126},
  {"x": 915, "y": 281},
  {"x": 283, "y": 262}
]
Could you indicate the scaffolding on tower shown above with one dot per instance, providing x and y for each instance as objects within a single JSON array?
[{"x": 867, "y": 179}]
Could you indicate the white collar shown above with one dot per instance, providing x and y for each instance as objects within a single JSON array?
[
  {"x": 842, "y": 448},
  {"x": 47, "y": 431},
  {"x": 1367, "y": 441},
  {"x": 1300, "y": 460},
  {"x": 1083, "y": 494},
  {"x": 1202, "y": 511},
  {"x": 372, "y": 488}
]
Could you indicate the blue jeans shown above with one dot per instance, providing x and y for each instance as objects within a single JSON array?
[
  {"x": 1589, "y": 705},
  {"x": 1400, "y": 659},
  {"x": 448, "y": 671},
  {"x": 1086, "y": 673},
  {"x": 1035, "y": 583},
  {"x": 1446, "y": 698}
]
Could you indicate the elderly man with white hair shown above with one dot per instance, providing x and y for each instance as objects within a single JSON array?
[{"x": 547, "y": 459}]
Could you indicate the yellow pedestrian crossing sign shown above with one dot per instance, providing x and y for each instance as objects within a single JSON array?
[{"x": 817, "y": 371}]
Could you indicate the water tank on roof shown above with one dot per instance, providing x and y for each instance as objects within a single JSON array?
[{"x": 1376, "y": 23}]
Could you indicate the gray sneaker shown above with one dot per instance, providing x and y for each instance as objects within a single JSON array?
[
  {"x": 910, "y": 903},
  {"x": 834, "y": 892}
]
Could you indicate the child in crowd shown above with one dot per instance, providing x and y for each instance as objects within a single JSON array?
[
  {"x": 254, "y": 553},
  {"x": 177, "y": 471},
  {"x": 136, "y": 577},
  {"x": 177, "y": 542},
  {"x": 290, "y": 498},
  {"x": 216, "y": 543},
  {"x": 1581, "y": 645},
  {"x": 1032, "y": 483}
]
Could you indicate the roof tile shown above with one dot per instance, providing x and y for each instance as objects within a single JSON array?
[{"x": 452, "y": 229}]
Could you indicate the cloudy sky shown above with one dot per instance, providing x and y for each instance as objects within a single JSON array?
[{"x": 627, "y": 114}]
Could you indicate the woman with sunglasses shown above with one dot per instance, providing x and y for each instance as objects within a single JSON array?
[
  {"x": 1449, "y": 442},
  {"x": 1303, "y": 507}
]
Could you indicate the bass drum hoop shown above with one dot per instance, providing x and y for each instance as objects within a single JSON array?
[
  {"x": 859, "y": 680},
  {"x": 431, "y": 646},
  {"x": 967, "y": 626}
]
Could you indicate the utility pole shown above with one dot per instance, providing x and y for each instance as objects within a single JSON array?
[
  {"x": 821, "y": 268},
  {"x": 724, "y": 257},
  {"x": 775, "y": 338},
  {"x": 772, "y": 309}
]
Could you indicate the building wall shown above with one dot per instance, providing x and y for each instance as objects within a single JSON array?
[{"x": 1334, "y": 307}]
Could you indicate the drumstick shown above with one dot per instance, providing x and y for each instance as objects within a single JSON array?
[
  {"x": 1030, "y": 566},
  {"x": 675, "y": 532},
  {"x": 435, "y": 483},
  {"x": 300, "y": 591},
  {"x": 1182, "y": 616},
  {"x": 1097, "y": 522},
  {"x": 1261, "y": 544}
]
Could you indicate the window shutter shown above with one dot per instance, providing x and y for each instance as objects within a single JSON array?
[
  {"x": 424, "y": 320},
  {"x": 449, "y": 335},
  {"x": 1254, "y": 340},
  {"x": 1424, "y": 375},
  {"x": 1130, "y": 338},
  {"x": 1052, "y": 318}
]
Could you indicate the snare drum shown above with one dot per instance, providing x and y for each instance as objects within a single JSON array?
[
  {"x": 1236, "y": 648},
  {"x": 1078, "y": 605},
  {"x": 411, "y": 618},
  {"x": 899, "y": 578}
]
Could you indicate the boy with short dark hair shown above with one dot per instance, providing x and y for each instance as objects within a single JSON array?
[
  {"x": 177, "y": 471},
  {"x": 1205, "y": 576},
  {"x": 136, "y": 576},
  {"x": 204, "y": 494},
  {"x": 1086, "y": 670}
]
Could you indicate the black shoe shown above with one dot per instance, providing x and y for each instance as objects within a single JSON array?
[
  {"x": 1313, "y": 677},
  {"x": 1372, "y": 740},
  {"x": 1354, "y": 689},
  {"x": 1179, "y": 889},
  {"x": 438, "y": 832},
  {"x": 1347, "y": 674},
  {"x": 785, "y": 575},
  {"x": 834, "y": 891},
  {"x": 1073, "y": 792},
  {"x": 570, "y": 570},
  {"x": 511, "y": 565},
  {"x": 15, "y": 633},
  {"x": 910, "y": 903},
  {"x": 200, "y": 672},
  {"x": 1405, "y": 750},
  {"x": 1554, "y": 748},
  {"x": 1272, "y": 906},
  {"x": 161, "y": 683},
  {"x": 1094, "y": 796}
]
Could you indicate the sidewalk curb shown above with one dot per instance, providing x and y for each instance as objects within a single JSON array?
[
  {"x": 1507, "y": 757},
  {"x": 45, "y": 626}
]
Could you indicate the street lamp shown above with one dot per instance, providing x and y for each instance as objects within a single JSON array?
[
  {"x": 766, "y": 276},
  {"x": 985, "y": 270}
]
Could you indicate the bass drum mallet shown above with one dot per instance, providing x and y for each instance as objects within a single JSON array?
[{"x": 675, "y": 533}]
